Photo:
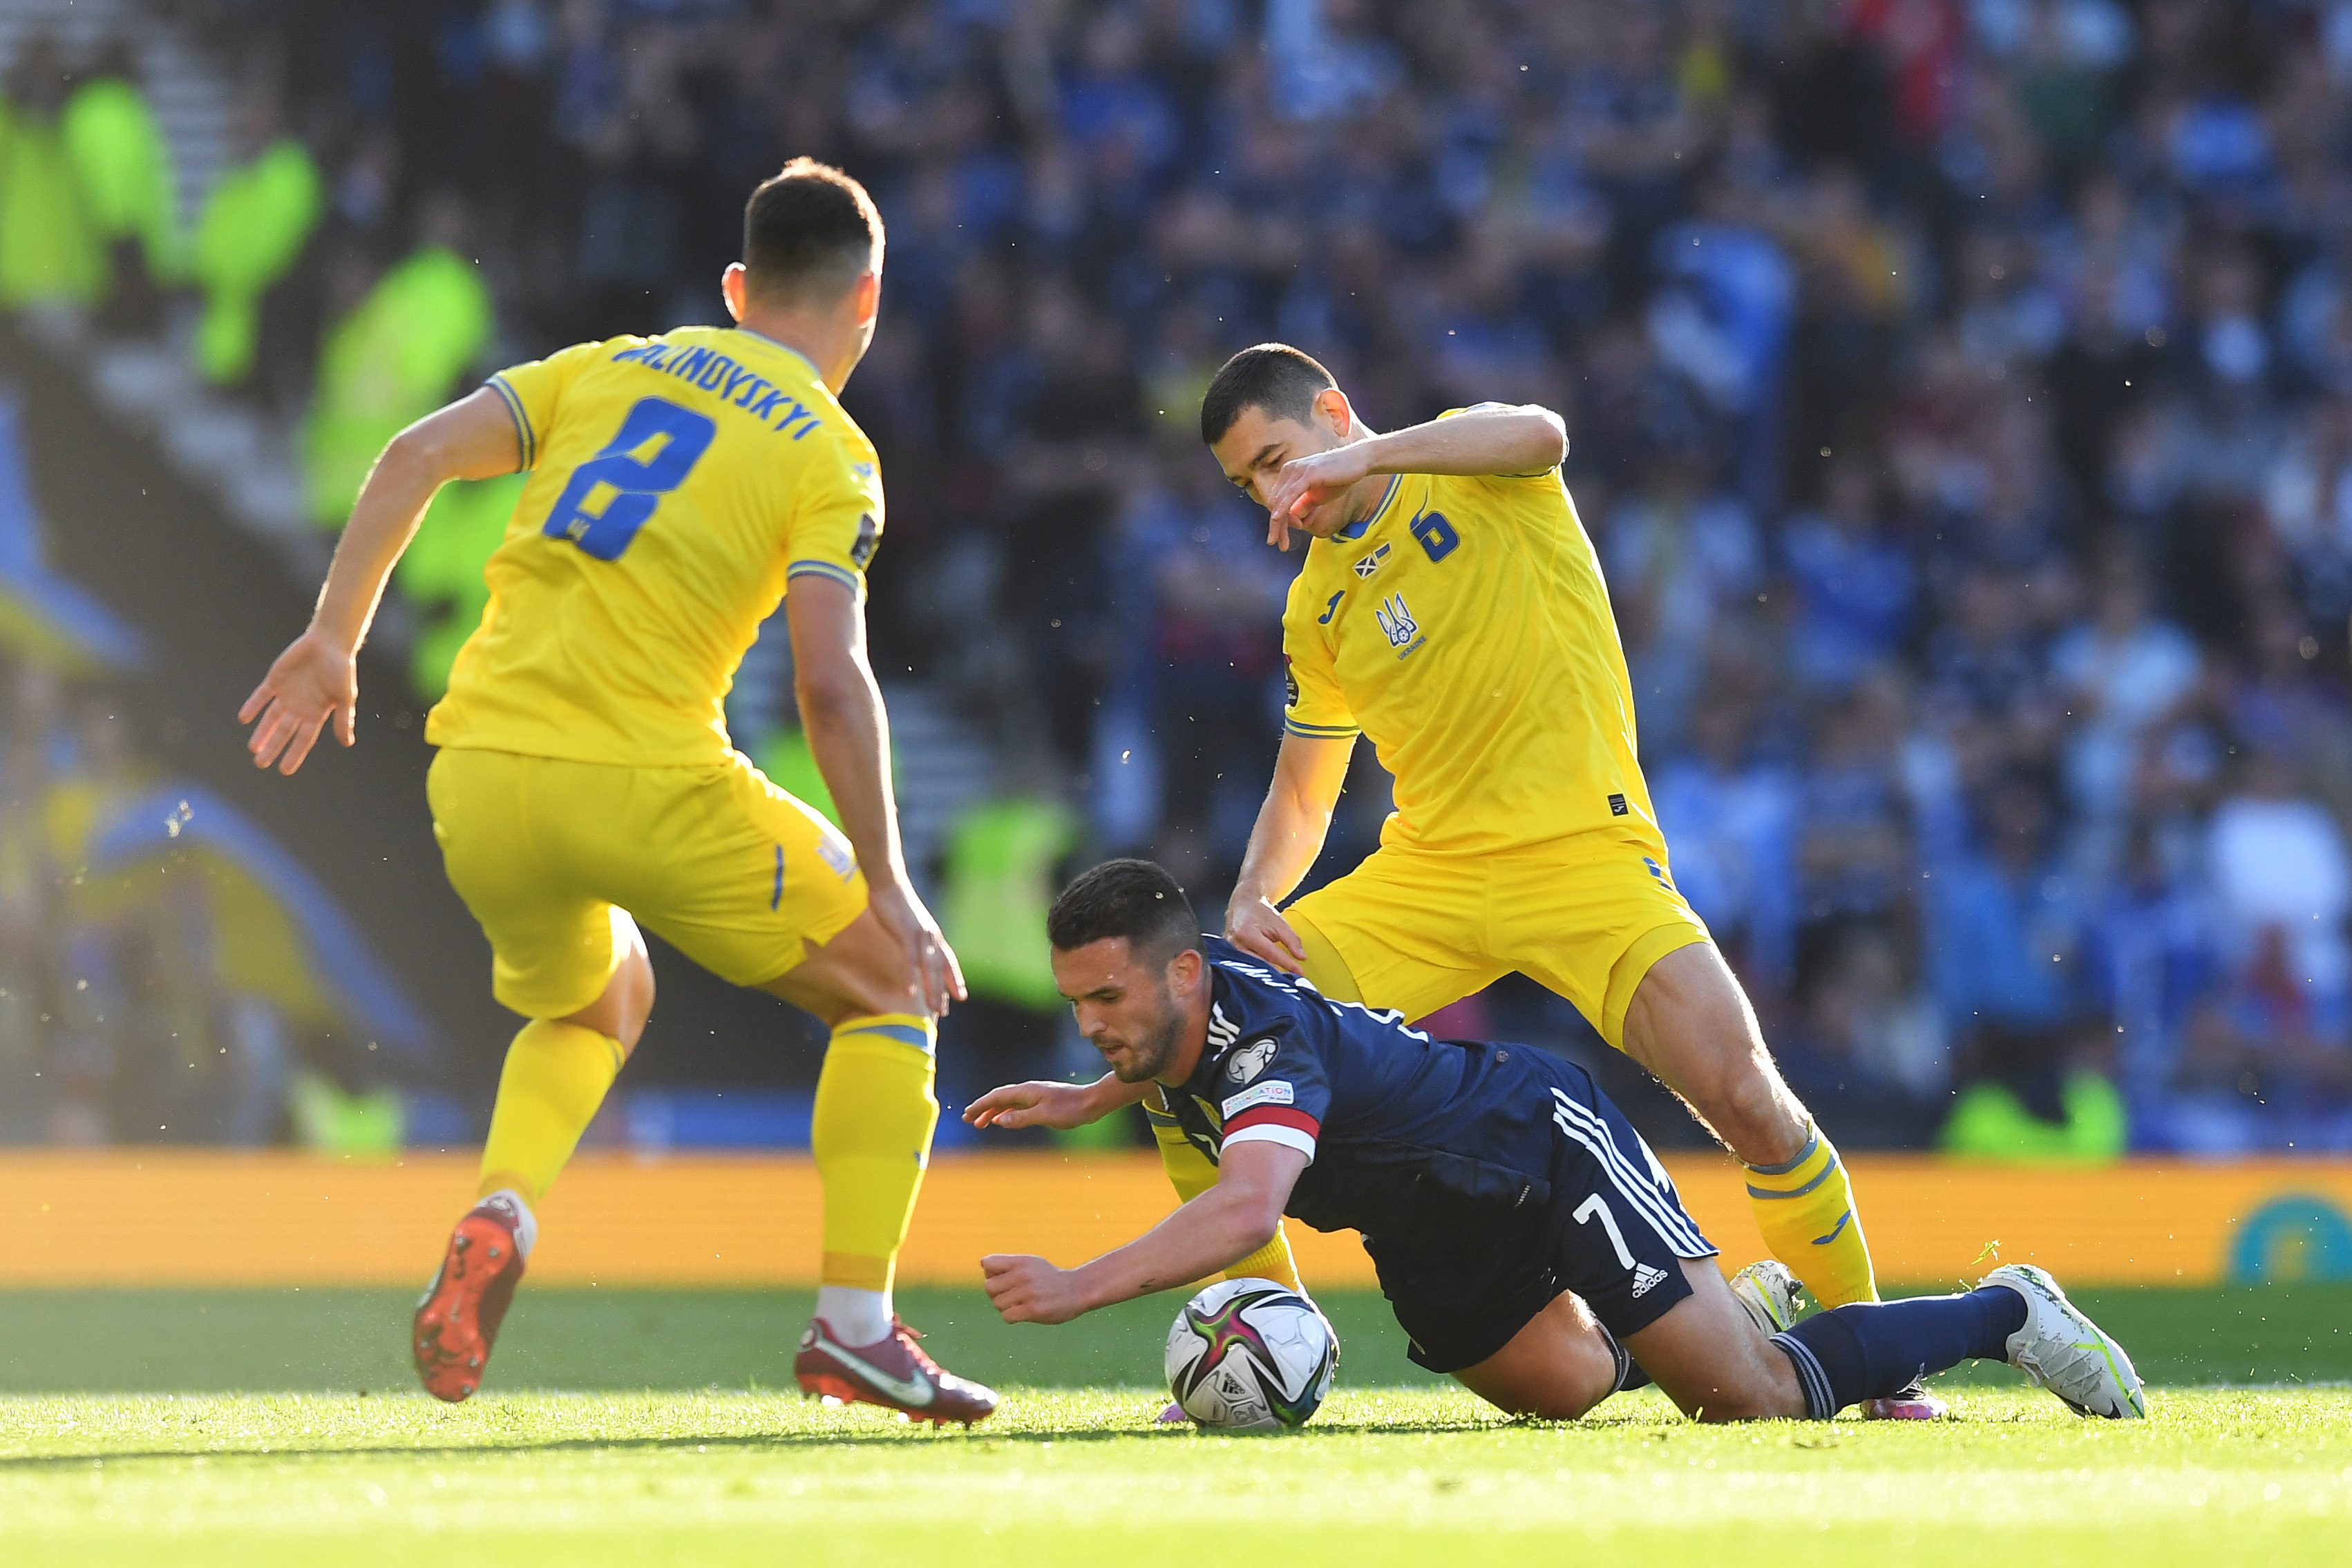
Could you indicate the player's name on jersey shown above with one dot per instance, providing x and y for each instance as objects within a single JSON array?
[{"x": 716, "y": 373}]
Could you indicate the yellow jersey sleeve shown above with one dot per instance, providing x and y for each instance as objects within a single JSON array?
[
  {"x": 533, "y": 391},
  {"x": 1314, "y": 706},
  {"x": 837, "y": 518}
]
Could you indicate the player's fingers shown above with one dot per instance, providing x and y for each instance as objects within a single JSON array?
[
  {"x": 256, "y": 703},
  {"x": 306, "y": 736},
  {"x": 937, "y": 992},
  {"x": 1254, "y": 941},
  {"x": 347, "y": 719},
  {"x": 270, "y": 738}
]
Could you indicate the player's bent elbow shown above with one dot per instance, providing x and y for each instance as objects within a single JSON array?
[
  {"x": 1552, "y": 442},
  {"x": 828, "y": 701}
]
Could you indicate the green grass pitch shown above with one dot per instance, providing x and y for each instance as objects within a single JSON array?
[{"x": 133, "y": 1430}]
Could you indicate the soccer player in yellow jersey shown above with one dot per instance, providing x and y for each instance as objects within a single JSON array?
[
  {"x": 1452, "y": 608},
  {"x": 680, "y": 487}
]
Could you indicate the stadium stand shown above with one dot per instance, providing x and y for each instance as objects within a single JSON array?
[{"x": 1960, "y": 392}]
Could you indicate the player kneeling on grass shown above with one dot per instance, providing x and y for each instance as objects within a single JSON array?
[{"x": 1531, "y": 1243}]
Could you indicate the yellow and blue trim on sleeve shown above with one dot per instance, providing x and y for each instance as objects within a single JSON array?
[
  {"x": 523, "y": 437},
  {"x": 824, "y": 569},
  {"x": 1319, "y": 731}
]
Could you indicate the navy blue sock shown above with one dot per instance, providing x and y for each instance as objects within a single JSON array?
[{"x": 1873, "y": 1349}]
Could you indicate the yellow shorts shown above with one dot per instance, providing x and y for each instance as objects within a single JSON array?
[
  {"x": 553, "y": 858},
  {"x": 1585, "y": 916}
]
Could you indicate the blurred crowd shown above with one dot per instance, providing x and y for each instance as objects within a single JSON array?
[
  {"x": 145, "y": 996},
  {"x": 1961, "y": 394}
]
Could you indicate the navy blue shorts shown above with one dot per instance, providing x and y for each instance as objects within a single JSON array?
[{"x": 1613, "y": 1230}]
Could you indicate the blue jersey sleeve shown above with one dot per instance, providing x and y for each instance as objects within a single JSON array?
[{"x": 1278, "y": 1090}]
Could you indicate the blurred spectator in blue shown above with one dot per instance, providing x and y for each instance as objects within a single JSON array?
[
  {"x": 2122, "y": 671},
  {"x": 2001, "y": 915},
  {"x": 1868, "y": 1050},
  {"x": 1730, "y": 816},
  {"x": 1853, "y": 579}
]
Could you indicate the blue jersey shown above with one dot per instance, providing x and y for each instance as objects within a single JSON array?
[{"x": 1412, "y": 1141}]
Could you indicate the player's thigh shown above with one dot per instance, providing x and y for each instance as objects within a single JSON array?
[
  {"x": 731, "y": 871},
  {"x": 862, "y": 971},
  {"x": 555, "y": 941},
  {"x": 1408, "y": 928},
  {"x": 1708, "y": 1356},
  {"x": 1558, "y": 1368},
  {"x": 1691, "y": 1026},
  {"x": 1588, "y": 917}
]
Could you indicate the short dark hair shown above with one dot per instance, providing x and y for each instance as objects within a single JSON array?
[
  {"x": 1135, "y": 899},
  {"x": 1274, "y": 377},
  {"x": 809, "y": 229}
]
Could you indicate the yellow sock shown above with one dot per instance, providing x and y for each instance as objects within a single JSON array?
[
  {"x": 555, "y": 1077},
  {"x": 1805, "y": 1210},
  {"x": 872, "y": 1137},
  {"x": 1190, "y": 1174}
]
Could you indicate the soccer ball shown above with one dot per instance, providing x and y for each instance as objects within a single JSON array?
[{"x": 1250, "y": 1355}]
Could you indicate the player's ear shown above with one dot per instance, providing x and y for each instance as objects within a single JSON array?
[
  {"x": 1337, "y": 411},
  {"x": 867, "y": 291},
  {"x": 1184, "y": 972},
  {"x": 731, "y": 284}
]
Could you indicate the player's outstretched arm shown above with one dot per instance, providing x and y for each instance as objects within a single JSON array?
[
  {"x": 1291, "y": 825},
  {"x": 849, "y": 735},
  {"x": 1219, "y": 1227},
  {"x": 1513, "y": 439},
  {"x": 1042, "y": 1103},
  {"x": 315, "y": 680}
]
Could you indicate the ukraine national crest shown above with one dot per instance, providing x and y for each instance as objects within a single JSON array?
[{"x": 1396, "y": 622}]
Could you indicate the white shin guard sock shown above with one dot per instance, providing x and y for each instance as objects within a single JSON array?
[
  {"x": 525, "y": 1223},
  {"x": 855, "y": 1317}
]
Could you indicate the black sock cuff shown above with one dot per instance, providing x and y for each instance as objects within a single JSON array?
[
  {"x": 1624, "y": 1358},
  {"x": 1820, "y": 1405}
]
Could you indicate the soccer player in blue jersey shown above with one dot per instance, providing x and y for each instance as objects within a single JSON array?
[{"x": 1531, "y": 1243}]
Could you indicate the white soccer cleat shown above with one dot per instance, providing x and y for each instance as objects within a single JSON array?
[
  {"x": 2064, "y": 1350},
  {"x": 1769, "y": 1291}
]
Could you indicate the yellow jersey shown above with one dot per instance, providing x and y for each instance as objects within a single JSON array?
[
  {"x": 1464, "y": 627},
  {"x": 677, "y": 485}
]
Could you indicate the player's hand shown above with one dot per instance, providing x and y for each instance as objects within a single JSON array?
[
  {"x": 313, "y": 682},
  {"x": 933, "y": 976},
  {"x": 1026, "y": 1290},
  {"x": 1038, "y": 1103},
  {"x": 1307, "y": 489},
  {"x": 1258, "y": 928}
]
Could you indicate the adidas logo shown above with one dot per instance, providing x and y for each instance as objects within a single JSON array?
[
  {"x": 1223, "y": 1031},
  {"x": 1644, "y": 1277}
]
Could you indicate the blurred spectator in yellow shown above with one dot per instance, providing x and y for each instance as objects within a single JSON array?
[
  {"x": 252, "y": 231},
  {"x": 442, "y": 572},
  {"x": 129, "y": 185},
  {"x": 1004, "y": 858},
  {"x": 50, "y": 250},
  {"x": 393, "y": 360}
]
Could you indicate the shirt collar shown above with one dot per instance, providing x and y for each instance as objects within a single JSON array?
[
  {"x": 787, "y": 348},
  {"x": 1358, "y": 530}
]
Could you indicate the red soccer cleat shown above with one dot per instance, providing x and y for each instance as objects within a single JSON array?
[
  {"x": 457, "y": 1319},
  {"x": 893, "y": 1372}
]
